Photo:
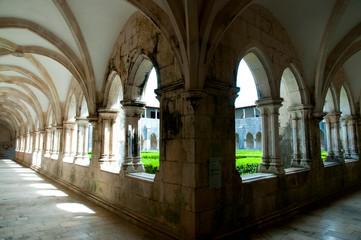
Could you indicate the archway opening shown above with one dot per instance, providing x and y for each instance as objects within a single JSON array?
[
  {"x": 258, "y": 141},
  {"x": 149, "y": 123},
  {"x": 248, "y": 120},
  {"x": 289, "y": 120},
  {"x": 329, "y": 109},
  {"x": 249, "y": 141},
  {"x": 347, "y": 126},
  {"x": 7, "y": 142}
]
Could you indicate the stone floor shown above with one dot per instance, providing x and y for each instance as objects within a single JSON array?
[
  {"x": 338, "y": 217},
  {"x": 32, "y": 207}
]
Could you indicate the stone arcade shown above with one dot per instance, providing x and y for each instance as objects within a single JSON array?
[{"x": 70, "y": 69}]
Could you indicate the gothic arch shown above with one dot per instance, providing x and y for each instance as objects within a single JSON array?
[
  {"x": 249, "y": 141},
  {"x": 261, "y": 71},
  {"x": 113, "y": 91},
  {"x": 331, "y": 101},
  {"x": 138, "y": 75}
]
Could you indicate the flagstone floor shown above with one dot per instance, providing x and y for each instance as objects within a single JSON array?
[{"x": 33, "y": 207}]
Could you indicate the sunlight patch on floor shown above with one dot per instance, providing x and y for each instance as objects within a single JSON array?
[
  {"x": 52, "y": 193},
  {"x": 75, "y": 208}
]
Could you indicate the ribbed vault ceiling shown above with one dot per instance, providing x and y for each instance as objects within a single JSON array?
[{"x": 46, "y": 44}]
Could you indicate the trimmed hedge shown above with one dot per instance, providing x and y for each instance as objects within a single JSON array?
[
  {"x": 150, "y": 160},
  {"x": 247, "y": 161}
]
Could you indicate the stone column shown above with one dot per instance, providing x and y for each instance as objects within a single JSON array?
[
  {"x": 330, "y": 153},
  {"x": 296, "y": 161},
  {"x": 132, "y": 158},
  {"x": 22, "y": 143},
  {"x": 352, "y": 133},
  {"x": 27, "y": 145},
  {"x": 56, "y": 141},
  {"x": 264, "y": 165},
  {"x": 345, "y": 139},
  {"x": 334, "y": 122},
  {"x": 68, "y": 141},
  {"x": 36, "y": 142},
  {"x": 305, "y": 139},
  {"x": 271, "y": 161},
  {"x": 41, "y": 147},
  {"x": 17, "y": 144},
  {"x": 81, "y": 156},
  {"x": 48, "y": 142},
  {"x": 108, "y": 119},
  {"x": 276, "y": 166},
  {"x": 36, "y": 149}
]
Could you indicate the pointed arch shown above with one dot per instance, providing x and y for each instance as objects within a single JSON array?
[
  {"x": 261, "y": 71},
  {"x": 138, "y": 75},
  {"x": 113, "y": 93}
]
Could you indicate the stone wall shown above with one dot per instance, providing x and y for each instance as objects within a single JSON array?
[{"x": 248, "y": 125}]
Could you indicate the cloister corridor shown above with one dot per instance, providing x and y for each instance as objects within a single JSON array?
[{"x": 34, "y": 207}]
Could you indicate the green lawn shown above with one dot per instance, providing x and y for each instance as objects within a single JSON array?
[
  {"x": 323, "y": 155},
  {"x": 150, "y": 159},
  {"x": 246, "y": 161}
]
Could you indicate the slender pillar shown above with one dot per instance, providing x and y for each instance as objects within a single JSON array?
[
  {"x": 271, "y": 161},
  {"x": 48, "y": 142},
  {"x": 17, "y": 144},
  {"x": 264, "y": 165},
  {"x": 81, "y": 157},
  {"x": 275, "y": 165},
  {"x": 330, "y": 153},
  {"x": 56, "y": 141},
  {"x": 132, "y": 157},
  {"x": 334, "y": 125},
  {"x": 296, "y": 156},
  {"x": 108, "y": 148},
  {"x": 68, "y": 141},
  {"x": 305, "y": 133},
  {"x": 352, "y": 133},
  {"x": 345, "y": 137},
  {"x": 53, "y": 153}
]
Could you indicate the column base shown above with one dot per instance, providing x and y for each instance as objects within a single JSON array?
[
  {"x": 276, "y": 167},
  {"x": 110, "y": 166},
  {"x": 82, "y": 160},
  {"x": 335, "y": 158},
  {"x": 54, "y": 155},
  {"x": 355, "y": 156},
  {"x": 68, "y": 159},
  {"x": 347, "y": 155},
  {"x": 138, "y": 165},
  {"x": 296, "y": 162},
  {"x": 305, "y": 163},
  {"x": 127, "y": 168},
  {"x": 264, "y": 166}
]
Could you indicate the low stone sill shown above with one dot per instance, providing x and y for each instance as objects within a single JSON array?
[
  {"x": 256, "y": 176},
  {"x": 142, "y": 176},
  {"x": 330, "y": 164},
  {"x": 350, "y": 160},
  {"x": 295, "y": 170}
]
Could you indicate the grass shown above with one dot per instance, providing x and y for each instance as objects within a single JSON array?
[
  {"x": 150, "y": 159},
  {"x": 247, "y": 161},
  {"x": 323, "y": 155}
]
